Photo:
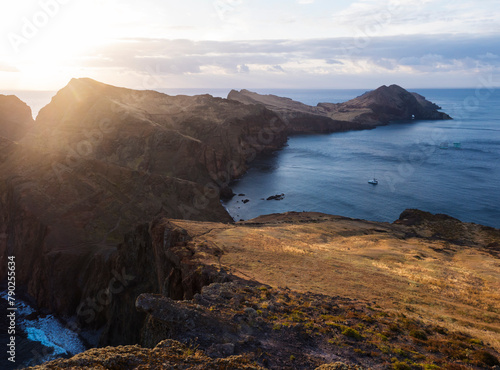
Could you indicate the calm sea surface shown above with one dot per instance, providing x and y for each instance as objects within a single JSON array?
[{"x": 450, "y": 167}]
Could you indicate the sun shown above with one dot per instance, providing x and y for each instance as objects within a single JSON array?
[{"x": 48, "y": 42}]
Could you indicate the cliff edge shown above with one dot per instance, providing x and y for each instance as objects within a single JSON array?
[
  {"x": 100, "y": 161},
  {"x": 310, "y": 290}
]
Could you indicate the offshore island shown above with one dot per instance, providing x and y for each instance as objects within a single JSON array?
[{"x": 110, "y": 203}]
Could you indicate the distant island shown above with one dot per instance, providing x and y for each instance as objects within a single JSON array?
[{"x": 117, "y": 188}]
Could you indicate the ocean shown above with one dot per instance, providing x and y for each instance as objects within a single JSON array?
[
  {"x": 446, "y": 167},
  {"x": 38, "y": 338},
  {"x": 449, "y": 167}
]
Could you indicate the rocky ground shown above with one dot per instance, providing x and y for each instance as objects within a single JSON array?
[
  {"x": 420, "y": 293},
  {"x": 238, "y": 325}
]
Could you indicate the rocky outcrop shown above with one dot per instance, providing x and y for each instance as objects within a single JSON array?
[
  {"x": 15, "y": 118},
  {"x": 281, "y": 328},
  {"x": 168, "y": 354},
  {"x": 390, "y": 103},
  {"x": 374, "y": 108},
  {"x": 101, "y": 161}
]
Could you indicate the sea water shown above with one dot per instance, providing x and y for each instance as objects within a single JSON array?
[
  {"x": 449, "y": 167},
  {"x": 38, "y": 338}
]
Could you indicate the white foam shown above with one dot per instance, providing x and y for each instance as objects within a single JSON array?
[
  {"x": 51, "y": 333},
  {"x": 37, "y": 335}
]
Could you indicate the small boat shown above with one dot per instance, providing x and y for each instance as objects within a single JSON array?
[{"x": 373, "y": 181}]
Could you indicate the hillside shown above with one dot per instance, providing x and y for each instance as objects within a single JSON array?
[
  {"x": 373, "y": 108},
  {"x": 15, "y": 117},
  {"x": 100, "y": 160},
  {"x": 301, "y": 290}
]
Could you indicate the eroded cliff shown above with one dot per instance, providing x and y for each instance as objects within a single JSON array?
[
  {"x": 301, "y": 290},
  {"x": 101, "y": 160}
]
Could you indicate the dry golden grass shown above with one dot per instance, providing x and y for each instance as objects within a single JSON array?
[{"x": 437, "y": 281}]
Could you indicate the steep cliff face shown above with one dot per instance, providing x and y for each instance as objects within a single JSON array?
[
  {"x": 371, "y": 109},
  {"x": 102, "y": 160},
  {"x": 15, "y": 118},
  {"x": 152, "y": 258},
  {"x": 421, "y": 290}
]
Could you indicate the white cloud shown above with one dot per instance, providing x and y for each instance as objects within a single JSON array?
[
  {"x": 294, "y": 59},
  {"x": 185, "y": 42}
]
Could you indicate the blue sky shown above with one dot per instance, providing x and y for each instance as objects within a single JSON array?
[{"x": 155, "y": 44}]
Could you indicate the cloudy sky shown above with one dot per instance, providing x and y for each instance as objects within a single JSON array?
[{"x": 249, "y": 43}]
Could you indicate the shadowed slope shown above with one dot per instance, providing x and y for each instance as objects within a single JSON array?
[{"x": 15, "y": 118}]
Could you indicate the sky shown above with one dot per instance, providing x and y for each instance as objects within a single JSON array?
[{"x": 306, "y": 44}]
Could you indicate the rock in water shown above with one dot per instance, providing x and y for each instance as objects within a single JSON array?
[{"x": 276, "y": 197}]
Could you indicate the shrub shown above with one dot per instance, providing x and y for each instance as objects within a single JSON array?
[
  {"x": 297, "y": 316},
  {"x": 352, "y": 333},
  {"x": 431, "y": 367},
  {"x": 401, "y": 366},
  {"x": 382, "y": 337},
  {"x": 418, "y": 334}
]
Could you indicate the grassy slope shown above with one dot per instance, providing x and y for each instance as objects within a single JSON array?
[{"x": 437, "y": 281}]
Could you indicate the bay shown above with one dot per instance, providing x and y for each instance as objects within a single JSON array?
[{"x": 329, "y": 173}]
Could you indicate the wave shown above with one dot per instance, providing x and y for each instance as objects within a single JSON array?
[{"x": 51, "y": 335}]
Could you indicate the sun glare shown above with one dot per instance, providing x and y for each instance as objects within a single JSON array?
[{"x": 50, "y": 42}]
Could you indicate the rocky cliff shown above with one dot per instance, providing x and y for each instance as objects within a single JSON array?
[
  {"x": 374, "y": 108},
  {"x": 15, "y": 118},
  {"x": 100, "y": 161},
  {"x": 79, "y": 191},
  {"x": 304, "y": 290},
  {"x": 195, "y": 138}
]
